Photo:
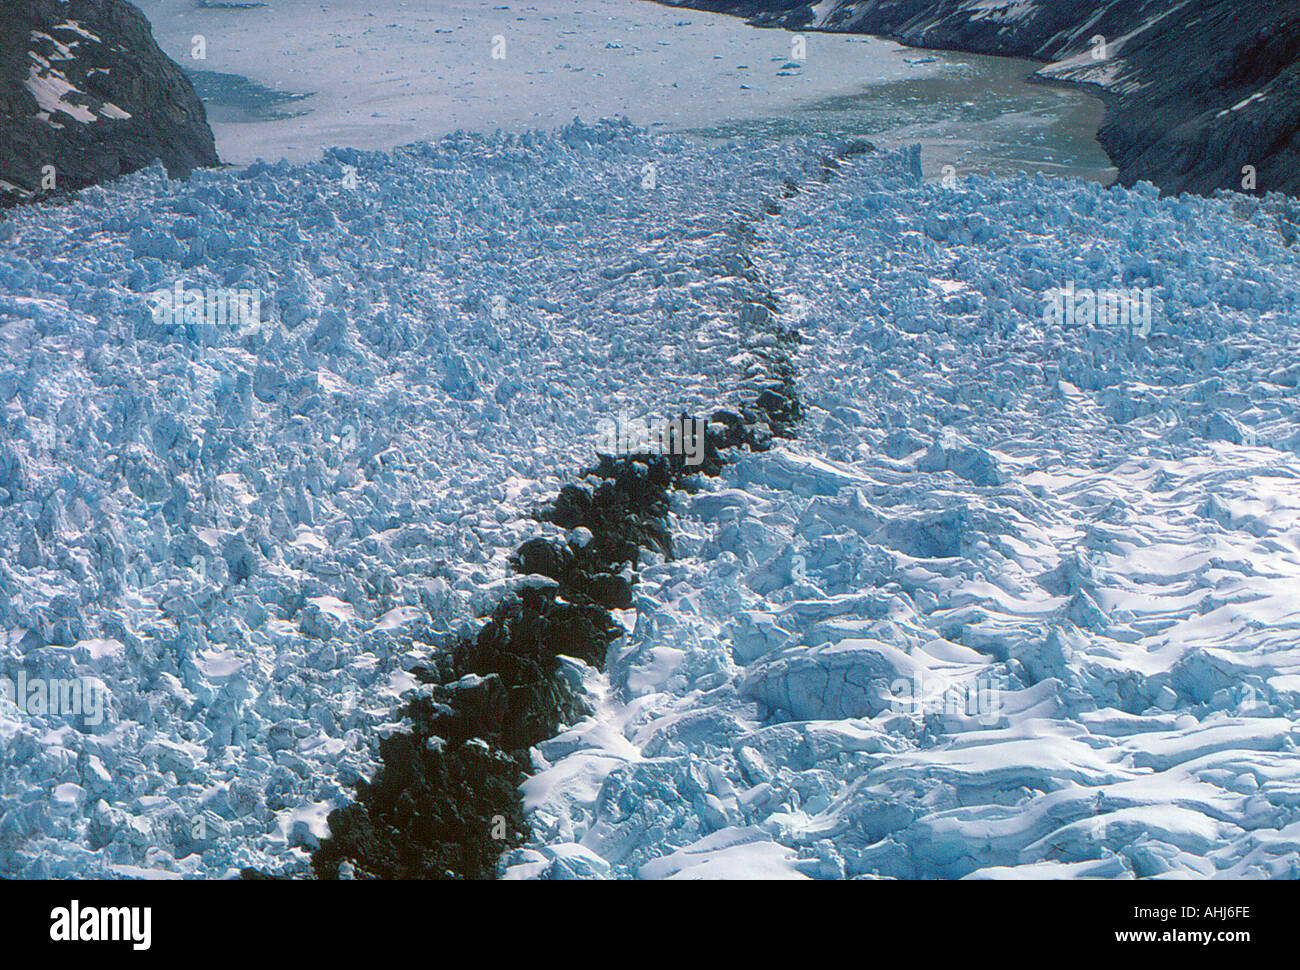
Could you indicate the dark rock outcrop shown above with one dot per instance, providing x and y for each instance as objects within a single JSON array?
[
  {"x": 445, "y": 802},
  {"x": 86, "y": 95},
  {"x": 1201, "y": 95}
]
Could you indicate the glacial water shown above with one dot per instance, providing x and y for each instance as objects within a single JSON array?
[
  {"x": 292, "y": 78},
  {"x": 974, "y": 114}
]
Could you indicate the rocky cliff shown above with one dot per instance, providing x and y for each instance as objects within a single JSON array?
[
  {"x": 1201, "y": 94},
  {"x": 86, "y": 95}
]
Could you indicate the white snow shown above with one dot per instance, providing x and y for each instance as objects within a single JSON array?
[
  {"x": 50, "y": 88},
  {"x": 76, "y": 28},
  {"x": 821, "y": 10},
  {"x": 1257, "y": 96},
  {"x": 62, "y": 51},
  {"x": 1109, "y": 71},
  {"x": 1003, "y": 11}
]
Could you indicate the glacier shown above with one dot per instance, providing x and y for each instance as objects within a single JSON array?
[{"x": 1016, "y": 597}]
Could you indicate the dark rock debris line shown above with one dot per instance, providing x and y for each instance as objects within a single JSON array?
[{"x": 445, "y": 802}]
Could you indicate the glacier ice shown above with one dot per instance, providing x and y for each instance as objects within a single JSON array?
[{"x": 252, "y": 536}]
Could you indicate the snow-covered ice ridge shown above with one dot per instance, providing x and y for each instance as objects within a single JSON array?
[{"x": 251, "y": 537}]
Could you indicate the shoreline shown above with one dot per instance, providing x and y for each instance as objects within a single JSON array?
[
  {"x": 729, "y": 77},
  {"x": 1219, "y": 130}
]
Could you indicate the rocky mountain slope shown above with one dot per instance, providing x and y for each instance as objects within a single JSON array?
[
  {"x": 86, "y": 95},
  {"x": 1202, "y": 94}
]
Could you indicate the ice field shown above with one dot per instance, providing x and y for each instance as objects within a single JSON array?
[{"x": 1019, "y": 597}]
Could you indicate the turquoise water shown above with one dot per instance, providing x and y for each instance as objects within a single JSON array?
[{"x": 232, "y": 98}]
